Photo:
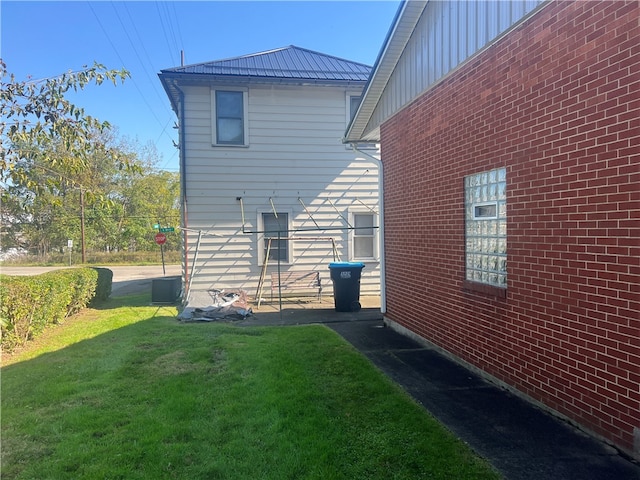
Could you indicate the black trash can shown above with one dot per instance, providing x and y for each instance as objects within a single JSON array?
[{"x": 346, "y": 285}]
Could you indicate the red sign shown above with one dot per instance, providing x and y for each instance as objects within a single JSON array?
[{"x": 161, "y": 238}]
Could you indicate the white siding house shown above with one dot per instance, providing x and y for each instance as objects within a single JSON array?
[{"x": 261, "y": 156}]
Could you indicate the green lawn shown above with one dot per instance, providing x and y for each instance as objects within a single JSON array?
[{"x": 127, "y": 392}]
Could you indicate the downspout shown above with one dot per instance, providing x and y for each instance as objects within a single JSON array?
[
  {"x": 183, "y": 189},
  {"x": 383, "y": 295}
]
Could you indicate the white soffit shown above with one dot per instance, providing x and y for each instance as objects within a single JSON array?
[{"x": 402, "y": 29}]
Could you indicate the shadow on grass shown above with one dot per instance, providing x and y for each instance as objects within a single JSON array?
[
  {"x": 131, "y": 300},
  {"x": 88, "y": 324},
  {"x": 131, "y": 389}
]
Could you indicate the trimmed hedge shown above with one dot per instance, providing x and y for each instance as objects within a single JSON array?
[
  {"x": 105, "y": 282},
  {"x": 29, "y": 304}
]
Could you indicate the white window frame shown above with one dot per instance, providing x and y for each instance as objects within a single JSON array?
[
  {"x": 348, "y": 115},
  {"x": 353, "y": 234},
  {"x": 477, "y": 205},
  {"x": 261, "y": 239},
  {"x": 350, "y": 97},
  {"x": 245, "y": 119}
]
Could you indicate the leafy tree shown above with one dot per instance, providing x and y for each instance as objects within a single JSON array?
[
  {"x": 147, "y": 200},
  {"x": 118, "y": 216},
  {"x": 63, "y": 170},
  {"x": 45, "y": 218},
  {"x": 40, "y": 125}
]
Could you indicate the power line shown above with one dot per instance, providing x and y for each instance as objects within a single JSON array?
[
  {"x": 135, "y": 50},
  {"x": 124, "y": 66},
  {"x": 168, "y": 18},
  {"x": 175, "y": 15},
  {"x": 164, "y": 30}
]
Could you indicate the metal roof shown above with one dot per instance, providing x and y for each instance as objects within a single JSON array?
[{"x": 283, "y": 63}]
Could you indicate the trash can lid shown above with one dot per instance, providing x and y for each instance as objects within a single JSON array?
[{"x": 346, "y": 265}]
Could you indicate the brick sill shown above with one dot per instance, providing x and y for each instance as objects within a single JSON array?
[{"x": 476, "y": 287}]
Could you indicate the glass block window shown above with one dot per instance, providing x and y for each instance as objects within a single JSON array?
[{"x": 486, "y": 227}]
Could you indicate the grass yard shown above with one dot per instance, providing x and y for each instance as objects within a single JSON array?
[{"x": 127, "y": 392}]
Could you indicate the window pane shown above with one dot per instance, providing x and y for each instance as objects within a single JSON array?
[
  {"x": 363, "y": 247},
  {"x": 230, "y": 131},
  {"x": 229, "y": 104},
  {"x": 363, "y": 224},
  {"x": 354, "y": 102},
  {"x": 229, "y": 118},
  {"x": 363, "y": 235},
  {"x": 272, "y": 225}
]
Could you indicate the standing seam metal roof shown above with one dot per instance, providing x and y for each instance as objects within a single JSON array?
[{"x": 287, "y": 62}]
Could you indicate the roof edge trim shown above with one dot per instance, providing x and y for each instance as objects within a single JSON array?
[{"x": 402, "y": 28}]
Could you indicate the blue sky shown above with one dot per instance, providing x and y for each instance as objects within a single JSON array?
[{"x": 44, "y": 39}]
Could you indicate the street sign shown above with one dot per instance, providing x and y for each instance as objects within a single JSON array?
[
  {"x": 156, "y": 225},
  {"x": 167, "y": 229},
  {"x": 161, "y": 238}
]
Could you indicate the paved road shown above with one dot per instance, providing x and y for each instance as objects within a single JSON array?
[{"x": 126, "y": 279}]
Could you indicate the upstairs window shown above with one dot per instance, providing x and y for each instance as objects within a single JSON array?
[
  {"x": 486, "y": 227},
  {"x": 229, "y": 126},
  {"x": 353, "y": 102}
]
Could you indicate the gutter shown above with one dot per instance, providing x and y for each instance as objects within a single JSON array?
[
  {"x": 383, "y": 294},
  {"x": 231, "y": 79}
]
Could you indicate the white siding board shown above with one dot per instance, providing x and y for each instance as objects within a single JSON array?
[
  {"x": 447, "y": 34},
  {"x": 295, "y": 152}
]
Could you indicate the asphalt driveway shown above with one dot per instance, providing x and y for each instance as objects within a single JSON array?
[{"x": 127, "y": 279}]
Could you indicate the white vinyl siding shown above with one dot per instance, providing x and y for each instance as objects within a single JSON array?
[
  {"x": 447, "y": 34},
  {"x": 295, "y": 163}
]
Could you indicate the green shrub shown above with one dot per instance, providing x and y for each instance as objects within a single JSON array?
[
  {"x": 105, "y": 283},
  {"x": 18, "y": 318},
  {"x": 29, "y": 304}
]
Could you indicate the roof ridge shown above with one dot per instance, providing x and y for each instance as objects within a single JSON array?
[
  {"x": 291, "y": 62},
  {"x": 330, "y": 56},
  {"x": 266, "y": 52}
]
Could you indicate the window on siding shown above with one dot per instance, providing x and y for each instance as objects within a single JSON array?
[
  {"x": 353, "y": 102},
  {"x": 229, "y": 124},
  {"x": 486, "y": 227},
  {"x": 364, "y": 236},
  {"x": 273, "y": 227}
]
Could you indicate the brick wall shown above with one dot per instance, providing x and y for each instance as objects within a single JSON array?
[{"x": 557, "y": 103}]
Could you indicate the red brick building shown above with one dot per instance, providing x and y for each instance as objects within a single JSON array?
[{"x": 511, "y": 163}]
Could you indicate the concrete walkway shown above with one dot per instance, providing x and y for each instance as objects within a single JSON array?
[{"x": 521, "y": 441}]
